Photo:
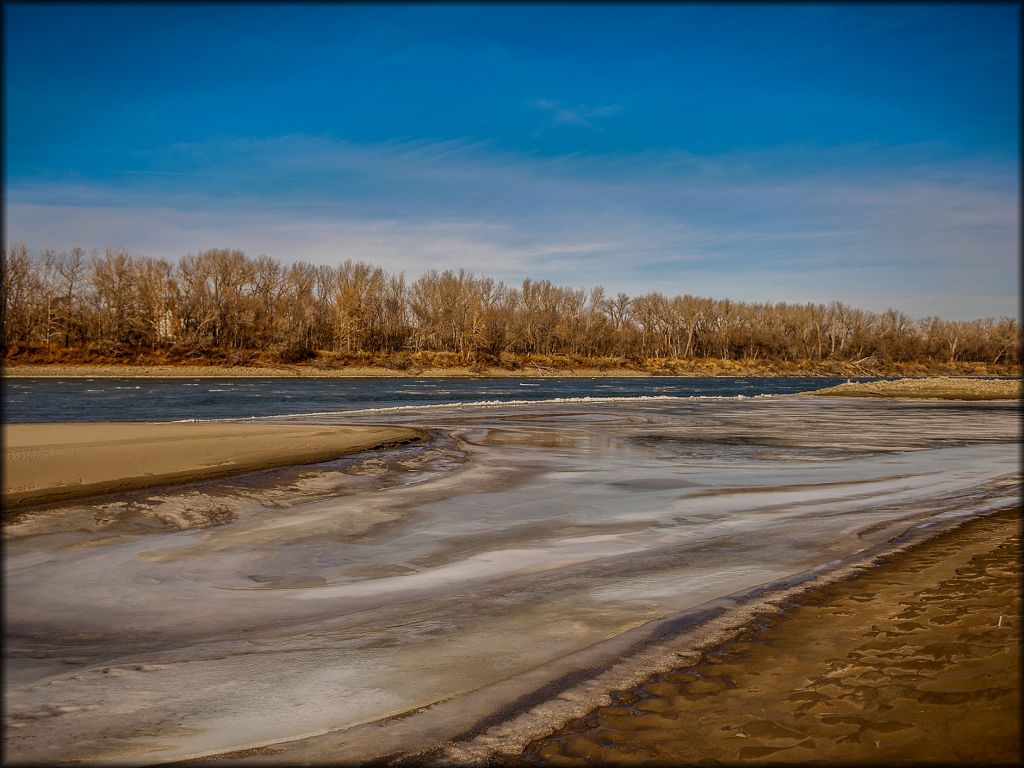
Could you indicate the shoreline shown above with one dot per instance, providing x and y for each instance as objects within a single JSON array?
[
  {"x": 895, "y": 653},
  {"x": 684, "y": 660},
  {"x": 692, "y": 369},
  {"x": 292, "y": 372},
  {"x": 436, "y": 733},
  {"x": 51, "y": 462}
]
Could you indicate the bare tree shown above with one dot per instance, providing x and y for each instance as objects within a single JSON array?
[
  {"x": 20, "y": 287},
  {"x": 222, "y": 303}
]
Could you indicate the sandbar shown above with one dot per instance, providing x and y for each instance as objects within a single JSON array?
[
  {"x": 937, "y": 387},
  {"x": 54, "y": 462}
]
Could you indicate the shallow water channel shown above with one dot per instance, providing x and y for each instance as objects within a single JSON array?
[{"x": 519, "y": 545}]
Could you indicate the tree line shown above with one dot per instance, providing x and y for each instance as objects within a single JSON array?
[{"x": 224, "y": 304}]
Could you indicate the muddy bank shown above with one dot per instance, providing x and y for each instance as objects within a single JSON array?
[
  {"x": 544, "y": 369},
  {"x": 939, "y": 387},
  {"x": 916, "y": 660},
  {"x": 298, "y": 371}
]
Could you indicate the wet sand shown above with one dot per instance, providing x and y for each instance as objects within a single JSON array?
[
  {"x": 939, "y": 387},
  {"x": 50, "y": 462},
  {"x": 915, "y": 660}
]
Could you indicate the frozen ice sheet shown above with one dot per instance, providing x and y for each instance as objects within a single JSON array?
[{"x": 255, "y": 610}]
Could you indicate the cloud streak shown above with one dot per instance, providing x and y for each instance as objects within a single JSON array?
[
  {"x": 578, "y": 115},
  {"x": 756, "y": 226}
]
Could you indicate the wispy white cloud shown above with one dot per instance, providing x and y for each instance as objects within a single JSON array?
[
  {"x": 409, "y": 244},
  {"x": 752, "y": 227},
  {"x": 578, "y": 114}
]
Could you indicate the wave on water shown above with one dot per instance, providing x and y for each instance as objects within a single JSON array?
[
  {"x": 503, "y": 403},
  {"x": 488, "y": 404}
]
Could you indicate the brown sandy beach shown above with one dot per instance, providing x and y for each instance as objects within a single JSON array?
[
  {"x": 48, "y": 462},
  {"x": 916, "y": 660}
]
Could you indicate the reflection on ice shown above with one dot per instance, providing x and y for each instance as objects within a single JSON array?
[{"x": 287, "y": 603}]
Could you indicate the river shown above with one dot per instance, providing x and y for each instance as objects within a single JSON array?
[{"x": 534, "y": 537}]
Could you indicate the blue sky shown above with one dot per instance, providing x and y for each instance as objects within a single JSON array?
[{"x": 867, "y": 153}]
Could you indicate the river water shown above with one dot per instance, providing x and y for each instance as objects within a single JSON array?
[
  {"x": 452, "y": 580},
  {"x": 142, "y": 399}
]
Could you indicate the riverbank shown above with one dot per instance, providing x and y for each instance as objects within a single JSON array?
[
  {"x": 529, "y": 367},
  {"x": 293, "y": 371},
  {"x": 940, "y": 388},
  {"x": 53, "y": 462},
  {"x": 915, "y": 660}
]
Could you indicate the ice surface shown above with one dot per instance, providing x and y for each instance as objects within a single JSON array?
[{"x": 254, "y": 610}]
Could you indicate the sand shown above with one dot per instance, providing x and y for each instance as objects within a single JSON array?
[
  {"x": 51, "y": 462},
  {"x": 916, "y": 660},
  {"x": 939, "y": 387}
]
